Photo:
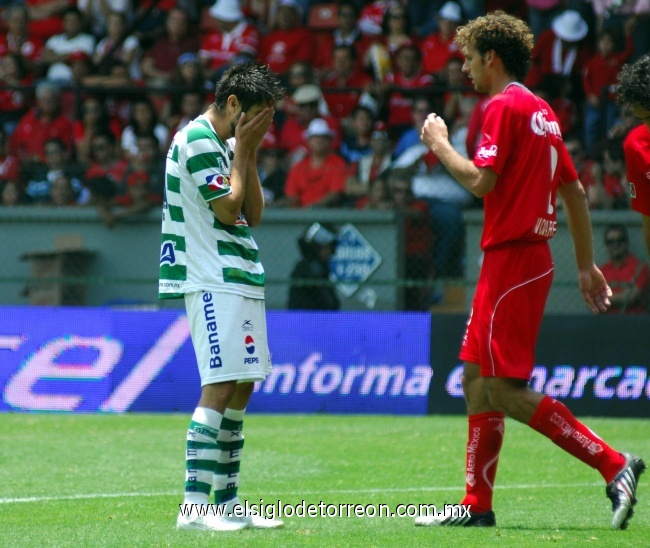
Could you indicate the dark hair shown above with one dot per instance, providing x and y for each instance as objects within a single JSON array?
[
  {"x": 634, "y": 83},
  {"x": 350, "y": 49},
  {"x": 154, "y": 115},
  {"x": 387, "y": 16},
  {"x": 508, "y": 36},
  {"x": 106, "y": 134},
  {"x": 20, "y": 63},
  {"x": 72, "y": 9},
  {"x": 252, "y": 83},
  {"x": 350, "y": 4},
  {"x": 617, "y": 227}
]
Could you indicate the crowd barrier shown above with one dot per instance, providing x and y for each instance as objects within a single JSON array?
[{"x": 89, "y": 360}]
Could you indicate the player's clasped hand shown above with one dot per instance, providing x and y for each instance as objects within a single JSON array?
[
  {"x": 434, "y": 130},
  {"x": 595, "y": 290},
  {"x": 250, "y": 132}
]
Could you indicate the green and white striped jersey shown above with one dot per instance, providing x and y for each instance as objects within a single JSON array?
[{"x": 198, "y": 252}]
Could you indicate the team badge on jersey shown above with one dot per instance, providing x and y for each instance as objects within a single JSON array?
[
  {"x": 250, "y": 344},
  {"x": 217, "y": 181},
  {"x": 167, "y": 253}
]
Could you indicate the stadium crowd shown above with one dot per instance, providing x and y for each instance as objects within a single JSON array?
[{"x": 93, "y": 91}]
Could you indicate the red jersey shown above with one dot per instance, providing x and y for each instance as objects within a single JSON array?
[
  {"x": 282, "y": 48},
  {"x": 48, "y": 26},
  {"x": 325, "y": 43},
  {"x": 28, "y": 139},
  {"x": 342, "y": 103},
  {"x": 399, "y": 106},
  {"x": 222, "y": 47},
  {"x": 522, "y": 144},
  {"x": 602, "y": 72},
  {"x": 436, "y": 53},
  {"x": 114, "y": 172},
  {"x": 292, "y": 135},
  {"x": 630, "y": 272},
  {"x": 637, "y": 160},
  {"x": 310, "y": 184}
]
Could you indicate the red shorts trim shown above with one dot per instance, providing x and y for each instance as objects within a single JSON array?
[{"x": 507, "y": 310}]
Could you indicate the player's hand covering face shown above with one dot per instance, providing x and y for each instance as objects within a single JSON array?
[{"x": 252, "y": 126}]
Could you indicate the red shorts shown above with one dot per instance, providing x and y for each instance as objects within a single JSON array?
[{"x": 507, "y": 310}]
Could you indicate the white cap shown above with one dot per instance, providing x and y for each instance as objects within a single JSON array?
[
  {"x": 227, "y": 10},
  {"x": 307, "y": 93},
  {"x": 291, "y": 4},
  {"x": 317, "y": 127},
  {"x": 570, "y": 26},
  {"x": 451, "y": 12}
]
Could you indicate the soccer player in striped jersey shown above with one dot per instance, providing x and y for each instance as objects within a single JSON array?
[
  {"x": 208, "y": 257},
  {"x": 519, "y": 166}
]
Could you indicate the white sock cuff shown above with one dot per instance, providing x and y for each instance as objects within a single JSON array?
[
  {"x": 235, "y": 414},
  {"x": 207, "y": 416}
]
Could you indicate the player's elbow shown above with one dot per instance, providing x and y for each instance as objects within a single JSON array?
[
  {"x": 254, "y": 220},
  {"x": 572, "y": 193}
]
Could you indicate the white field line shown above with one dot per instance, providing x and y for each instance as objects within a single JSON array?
[{"x": 16, "y": 500}]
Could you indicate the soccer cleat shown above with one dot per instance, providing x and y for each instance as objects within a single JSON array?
[
  {"x": 250, "y": 519},
  {"x": 207, "y": 523},
  {"x": 622, "y": 491},
  {"x": 456, "y": 519}
]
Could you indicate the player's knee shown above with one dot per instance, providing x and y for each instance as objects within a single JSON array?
[{"x": 499, "y": 397}]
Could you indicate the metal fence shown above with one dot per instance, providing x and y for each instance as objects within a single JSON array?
[{"x": 67, "y": 256}]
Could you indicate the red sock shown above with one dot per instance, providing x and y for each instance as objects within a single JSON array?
[
  {"x": 554, "y": 420},
  {"x": 484, "y": 442}
]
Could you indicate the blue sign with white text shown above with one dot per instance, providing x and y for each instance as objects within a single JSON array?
[{"x": 89, "y": 360}]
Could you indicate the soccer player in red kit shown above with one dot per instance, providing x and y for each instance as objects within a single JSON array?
[
  {"x": 634, "y": 91},
  {"x": 519, "y": 165}
]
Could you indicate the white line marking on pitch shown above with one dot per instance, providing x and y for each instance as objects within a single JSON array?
[{"x": 284, "y": 493}]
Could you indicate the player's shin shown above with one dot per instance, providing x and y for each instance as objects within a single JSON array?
[
  {"x": 201, "y": 454},
  {"x": 486, "y": 431}
]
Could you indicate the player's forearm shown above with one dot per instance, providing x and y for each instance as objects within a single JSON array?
[
  {"x": 460, "y": 168},
  {"x": 253, "y": 198},
  {"x": 575, "y": 201}
]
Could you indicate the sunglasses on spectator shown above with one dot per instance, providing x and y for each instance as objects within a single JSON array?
[{"x": 615, "y": 241}]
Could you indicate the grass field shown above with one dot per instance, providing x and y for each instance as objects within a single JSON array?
[{"x": 95, "y": 480}]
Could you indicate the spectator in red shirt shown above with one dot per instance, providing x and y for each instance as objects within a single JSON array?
[
  {"x": 307, "y": 100},
  {"x": 92, "y": 120},
  {"x": 233, "y": 37},
  {"x": 107, "y": 167},
  {"x": 41, "y": 123},
  {"x": 589, "y": 173},
  {"x": 396, "y": 29},
  {"x": 439, "y": 47},
  {"x": 13, "y": 102},
  {"x": 18, "y": 40},
  {"x": 561, "y": 50},
  {"x": 45, "y": 17},
  {"x": 599, "y": 82},
  {"x": 627, "y": 275},
  {"x": 346, "y": 34},
  {"x": 159, "y": 61},
  {"x": 9, "y": 166},
  {"x": 370, "y": 166},
  {"x": 319, "y": 179},
  {"x": 288, "y": 42},
  {"x": 345, "y": 75},
  {"x": 418, "y": 236},
  {"x": 408, "y": 74}
]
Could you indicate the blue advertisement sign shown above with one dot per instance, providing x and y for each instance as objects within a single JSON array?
[{"x": 104, "y": 360}]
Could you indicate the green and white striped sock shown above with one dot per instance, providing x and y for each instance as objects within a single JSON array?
[
  {"x": 231, "y": 444},
  {"x": 201, "y": 454}
]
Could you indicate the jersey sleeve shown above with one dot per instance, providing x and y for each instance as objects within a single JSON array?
[
  {"x": 497, "y": 137},
  {"x": 636, "y": 175},
  {"x": 206, "y": 163},
  {"x": 566, "y": 170}
]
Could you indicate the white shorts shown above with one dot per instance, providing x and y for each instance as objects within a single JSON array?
[{"x": 229, "y": 337}]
